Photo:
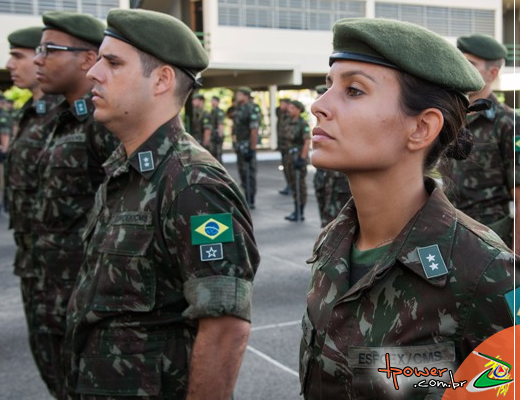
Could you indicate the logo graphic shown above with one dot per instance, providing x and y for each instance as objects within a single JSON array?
[
  {"x": 211, "y": 252},
  {"x": 497, "y": 376},
  {"x": 207, "y": 229}
]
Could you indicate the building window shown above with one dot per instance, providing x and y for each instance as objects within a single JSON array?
[
  {"x": 287, "y": 14},
  {"x": 445, "y": 21},
  {"x": 97, "y": 8}
]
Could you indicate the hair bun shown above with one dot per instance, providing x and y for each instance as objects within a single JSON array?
[{"x": 462, "y": 146}]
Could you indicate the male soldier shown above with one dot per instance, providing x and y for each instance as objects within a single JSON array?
[
  {"x": 6, "y": 131},
  {"x": 245, "y": 129},
  {"x": 33, "y": 124},
  {"x": 298, "y": 140},
  {"x": 214, "y": 131},
  {"x": 198, "y": 118},
  {"x": 282, "y": 117},
  {"x": 69, "y": 169},
  {"x": 483, "y": 184},
  {"x": 162, "y": 305}
]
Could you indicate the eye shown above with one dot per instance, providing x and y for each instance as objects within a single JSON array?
[{"x": 354, "y": 92}]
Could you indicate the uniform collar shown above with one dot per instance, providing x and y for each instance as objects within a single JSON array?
[
  {"x": 436, "y": 221},
  {"x": 149, "y": 156},
  {"x": 81, "y": 109}
]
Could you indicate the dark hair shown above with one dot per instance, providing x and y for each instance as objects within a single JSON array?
[
  {"x": 454, "y": 140},
  {"x": 148, "y": 62}
]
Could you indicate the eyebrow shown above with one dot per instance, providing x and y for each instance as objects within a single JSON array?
[
  {"x": 349, "y": 74},
  {"x": 110, "y": 57}
]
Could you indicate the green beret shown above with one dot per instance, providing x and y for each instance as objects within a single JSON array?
[
  {"x": 81, "y": 26},
  {"x": 407, "y": 47},
  {"x": 482, "y": 46},
  {"x": 298, "y": 105},
  {"x": 161, "y": 36},
  {"x": 244, "y": 89},
  {"x": 27, "y": 38},
  {"x": 320, "y": 89},
  {"x": 198, "y": 96}
]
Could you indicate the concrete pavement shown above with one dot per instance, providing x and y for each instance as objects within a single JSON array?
[{"x": 270, "y": 366}]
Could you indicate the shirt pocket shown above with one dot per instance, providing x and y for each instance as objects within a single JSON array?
[{"x": 126, "y": 276}]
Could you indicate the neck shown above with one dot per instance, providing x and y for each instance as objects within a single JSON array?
[
  {"x": 82, "y": 89},
  {"x": 385, "y": 205},
  {"x": 136, "y": 132},
  {"x": 37, "y": 93}
]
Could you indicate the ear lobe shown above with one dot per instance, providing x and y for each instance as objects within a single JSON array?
[{"x": 429, "y": 124}]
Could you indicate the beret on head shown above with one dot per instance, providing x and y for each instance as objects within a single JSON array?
[
  {"x": 244, "y": 89},
  {"x": 482, "y": 46},
  {"x": 82, "y": 26},
  {"x": 27, "y": 38},
  {"x": 199, "y": 96},
  {"x": 160, "y": 35},
  {"x": 299, "y": 105},
  {"x": 320, "y": 89},
  {"x": 407, "y": 47}
]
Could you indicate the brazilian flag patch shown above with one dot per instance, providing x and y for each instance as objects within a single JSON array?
[{"x": 211, "y": 228}]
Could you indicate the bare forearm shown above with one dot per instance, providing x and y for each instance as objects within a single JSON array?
[{"x": 216, "y": 358}]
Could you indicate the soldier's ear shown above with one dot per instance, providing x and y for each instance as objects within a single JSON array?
[
  {"x": 427, "y": 127},
  {"x": 164, "y": 79}
]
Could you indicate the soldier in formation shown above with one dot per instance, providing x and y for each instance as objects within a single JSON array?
[
  {"x": 400, "y": 271},
  {"x": 482, "y": 185},
  {"x": 34, "y": 123},
  {"x": 214, "y": 130},
  {"x": 246, "y": 122},
  {"x": 162, "y": 305}
]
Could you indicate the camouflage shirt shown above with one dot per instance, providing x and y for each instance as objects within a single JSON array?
[
  {"x": 6, "y": 123},
  {"x": 35, "y": 121},
  {"x": 199, "y": 121},
  {"x": 297, "y": 131},
  {"x": 216, "y": 118},
  {"x": 132, "y": 318},
  {"x": 245, "y": 118},
  {"x": 482, "y": 183},
  {"x": 395, "y": 309},
  {"x": 70, "y": 171}
]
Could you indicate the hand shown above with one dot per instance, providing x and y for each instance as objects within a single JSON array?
[
  {"x": 300, "y": 163},
  {"x": 248, "y": 156}
]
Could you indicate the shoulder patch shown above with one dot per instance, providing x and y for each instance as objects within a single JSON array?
[{"x": 211, "y": 228}]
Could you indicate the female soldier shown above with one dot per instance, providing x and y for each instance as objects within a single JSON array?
[{"x": 400, "y": 278}]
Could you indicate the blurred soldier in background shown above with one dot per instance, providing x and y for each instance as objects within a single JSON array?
[
  {"x": 34, "y": 123},
  {"x": 246, "y": 122},
  {"x": 282, "y": 117},
  {"x": 214, "y": 131},
  {"x": 297, "y": 142},
  {"x": 482, "y": 186},
  {"x": 198, "y": 118}
]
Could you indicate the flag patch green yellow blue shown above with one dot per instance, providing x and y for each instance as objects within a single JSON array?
[
  {"x": 517, "y": 143},
  {"x": 211, "y": 228},
  {"x": 510, "y": 299}
]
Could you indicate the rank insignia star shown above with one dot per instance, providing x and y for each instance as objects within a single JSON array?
[
  {"x": 145, "y": 161},
  {"x": 211, "y": 252},
  {"x": 432, "y": 261},
  {"x": 81, "y": 107}
]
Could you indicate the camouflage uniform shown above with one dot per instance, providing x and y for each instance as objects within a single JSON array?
[
  {"x": 216, "y": 119},
  {"x": 35, "y": 118},
  {"x": 198, "y": 121},
  {"x": 6, "y": 129},
  {"x": 245, "y": 119},
  {"x": 132, "y": 318},
  {"x": 332, "y": 193},
  {"x": 281, "y": 128},
  {"x": 296, "y": 132},
  {"x": 482, "y": 183},
  {"x": 69, "y": 173},
  {"x": 394, "y": 308}
]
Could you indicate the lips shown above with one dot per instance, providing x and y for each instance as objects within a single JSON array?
[{"x": 319, "y": 134}]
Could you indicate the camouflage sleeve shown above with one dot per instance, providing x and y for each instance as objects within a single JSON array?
[
  {"x": 222, "y": 286},
  {"x": 206, "y": 121},
  {"x": 489, "y": 311},
  {"x": 6, "y": 125},
  {"x": 306, "y": 131},
  {"x": 221, "y": 116},
  {"x": 254, "y": 119}
]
